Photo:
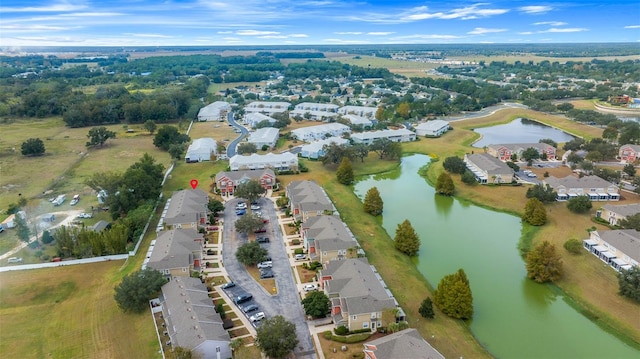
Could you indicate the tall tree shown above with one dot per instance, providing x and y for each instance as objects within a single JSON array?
[
  {"x": 32, "y": 147},
  {"x": 344, "y": 173},
  {"x": 360, "y": 150},
  {"x": 426, "y": 309},
  {"x": 316, "y": 304},
  {"x": 373, "y": 202},
  {"x": 534, "y": 212},
  {"x": 444, "y": 184},
  {"x": 544, "y": 264},
  {"x": 544, "y": 194},
  {"x": 406, "y": 239},
  {"x": 136, "y": 289},
  {"x": 22, "y": 228},
  {"x": 631, "y": 222},
  {"x": 168, "y": 135},
  {"x": 150, "y": 126},
  {"x": 454, "y": 297},
  {"x": 249, "y": 223},
  {"x": 247, "y": 148},
  {"x": 629, "y": 283},
  {"x": 629, "y": 169},
  {"x": 276, "y": 337},
  {"x": 98, "y": 136},
  {"x": 454, "y": 164},
  {"x": 250, "y": 190},
  {"x": 251, "y": 253},
  {"x": 579, "y": 204}
]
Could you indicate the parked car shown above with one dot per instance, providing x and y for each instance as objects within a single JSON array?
[
  {"x": 260, "y": 230},
  {"x": 250, "y": 308},
  {"x": 265, "y": 264},
  {"x": 75, "y": 200},
  {"x": 242, "y": 298},
  {"x": 262, "y": 239},
  {"x": 300, "y": 257},
  {"x": 266, "y": 273},
  {"x": 212, "y": 228},
  {"x": 241, "y": 212},
  {"x": 255, "y": 207},
  {"x": 228, "y": 285},
  {"x": 15, "y": 260},
  {"x": 241, "y": 205},
  {"x": 256, "y": 317},
  {"x": 310, "y": 287}
]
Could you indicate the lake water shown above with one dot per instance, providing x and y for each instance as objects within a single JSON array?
[
  {"x": 514, "y": 317},
  {"x": 519, "y": 131}
]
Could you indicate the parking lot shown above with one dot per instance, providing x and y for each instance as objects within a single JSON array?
[{"x": 286, "y": 301}]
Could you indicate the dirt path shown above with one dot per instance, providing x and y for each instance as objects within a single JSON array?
[{"x": 70, "y": 216}]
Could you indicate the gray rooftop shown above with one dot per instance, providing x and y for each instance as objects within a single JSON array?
[
  {"x": 576, "y": 182},
  {"x": 175, "y": 249},
  {"x": 190, "y": 313},
  {"x": 403, "y": 344},
  {"x": 625, "y": 210},
  {"x": 238, "y": 176},
  {"x": 489, "y": 164},
  {"x": 186, "y": 205},
  {"x": 309, "y": 196},
  {"x": 625, "y": 240},
  {"x": 329, "y": 233},
  {"x": 353, "y": 278}
]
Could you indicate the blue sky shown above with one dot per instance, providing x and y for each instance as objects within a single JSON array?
[{"x": 299, "y": 22}]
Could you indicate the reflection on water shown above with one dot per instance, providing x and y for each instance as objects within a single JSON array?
[
  {"x": 519, "y": 131},
  {"x": 443, "y": 204}
]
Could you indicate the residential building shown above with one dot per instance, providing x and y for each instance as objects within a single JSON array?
[
  {"x": 319, "y": 132},
  {"x": 266, "y": 107},
  {"x": 619, "y": 248},
  {"x": 629, "y": 153},
  {"x": 314, "y": 115},
  {"x": 201, "y": 150},
  {"x": 488, "y": 169},
  {"x": 400, "y": 135},
  {"x": 308, "y": 199},
  {"x": 188, "y": 209},
  {"x": 593, "y": 186},
  {"x": 191, "y": 321},
  {"x": 616, "y": 213},
  {"x": 433, "y": 128},
  {"x": 266, "y": 136},
  {"x": 254, "y": 118},
  {"x": 327, "y": 238},
  {"x": 216, "y": 111},
  {"x": 177, "y": 252},
  {"x": 358, "y": 121},
  {"x": 357, "y": 293},
  {"x": 226, "y": 182},
  {"x": 315, "y": 149},
  {"x": 403, "y": 344},
  {"x": 504, "y": 151},
  {"x": 321, "y": 107},
  {"x": 361, "y": 111},
  {"x": 285, "y": 161}
]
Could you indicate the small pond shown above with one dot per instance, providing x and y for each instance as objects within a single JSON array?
[{"x": 519, "y": 131}]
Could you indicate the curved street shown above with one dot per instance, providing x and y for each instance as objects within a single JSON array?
[
  {"x": 286, "y": 302},
  {"x": 231, "y": 149}
]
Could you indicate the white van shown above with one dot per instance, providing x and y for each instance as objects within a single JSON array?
[{"x": 15, "y": 260}]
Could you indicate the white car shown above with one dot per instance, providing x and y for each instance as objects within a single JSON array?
[
  {"x": 310, "y": 287},
  {"x": 255, "y": 207},
  {"x": 265, "y": 264},
  {"x": 300, "y": 257},
  {"x": 241, "y": 205},
  {"x": 257, "y": 317}
]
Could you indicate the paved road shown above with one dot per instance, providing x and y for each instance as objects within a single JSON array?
[
  {"x": 286, "y": 302},
  {"x": 485, "y": 111},
  {"x": 231, "y": 148}
]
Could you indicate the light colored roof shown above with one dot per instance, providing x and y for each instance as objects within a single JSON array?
[
  {"x": 576, "y": 182},
  {"x": 329, "y": 233},
  {"x": 358, "y": 110},
  {"x": 264, "y": 135},
  {"x": 266, "y": 159},
  {"x": 316, "y": 146},
  {"x": 373, "y": 135},
  {"x": 625, "y": 240},
  {"x": 433, "y": 125},
  {"x": 236, "y": 176},
  {"x": 204, "y": 144},
  {"x": 186, "y": 205},
  {"x": 314, "y": 113},
  {"x": 324, "y": 107},
  {"x": 267, "y": 106},
  {"x": 319, "y": 130},
  {"x": 255, "y": 117},
  {"x": 489, "y": 163},
  {"x": 192, "y": 319},
  {"x": 308, "y": 196},
  {"x": 403, "y": 344},
  {"x": 214, "y": 109},
  {"x": 175, "y": 248},
  {"x": 625, "y": 210},
  {"x": 353, "y": 278},
  {"x": 635, "y": 148},
  {"x": 357, "y": 120}
]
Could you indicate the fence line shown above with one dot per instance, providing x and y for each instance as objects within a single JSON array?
[{"x": 114, "y": 257}]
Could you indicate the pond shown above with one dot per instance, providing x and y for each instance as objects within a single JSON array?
[
  {"x": 514, "y": 317},
  {"x": 519, "y": 131}
]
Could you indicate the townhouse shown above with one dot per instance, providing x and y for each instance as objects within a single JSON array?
[
  {"x": 177, "y": 252},
  {"x": 504, "y": 151},
  {"x": 593, "y": 186},
  {"x": 619, "y": 248},
  {"x": 399, "y": 135},
  {"x": 226, "y": 182},
  {"x": 307, "y": 199},
  {"x": 285, "y": 161},
  {"x": 327, "y": 238},
  {"x": 187, "y": 209},
  {"x": 488, "y": 169}
]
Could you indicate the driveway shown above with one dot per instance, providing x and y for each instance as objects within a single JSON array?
[
  {"x": 231, "y": 148},
  {"x": 286, "y": 302}
]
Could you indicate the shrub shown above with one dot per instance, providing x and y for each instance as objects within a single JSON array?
[
  {"x": 573, "y": 246},
  {"x": 298, "y": 251},
  {"x": 341, "y": 330},
  {"x": 327, "y": 335},
  {"x": 295, "y": 242}
]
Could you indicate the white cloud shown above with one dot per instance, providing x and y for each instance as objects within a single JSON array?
[
  {"x": 272, "y": 37},
  {"x": 465, "y": 13},
  {"x": 59, "y": 7},
  {"x": 225, "y": 32},
  {"x": 32, "y": 28},
  {"x": 632, "y": 27},
  {"x": 255, "y": 33},
  {"x": 341, "y": 41},
  {"x": 149, "y": 35},
  {"x": 535, "y": 9},
  {"x": 427, "y": 37},
  {"x": 348, "y": 33},
  {"x": 565, "y": 29},
  {"x": 482, "y": 31},
  {"x": 550, "y": 23},
  {"x": 526, "y": 33},
  {"x": 380, "y": 33},
  {"x": 298, "y": 35}
]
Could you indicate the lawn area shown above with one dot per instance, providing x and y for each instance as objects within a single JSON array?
[
  {"x": 214, "y": 88},
  {"x": 404, "y": 68},
  {"x": 49, "y": 306}
]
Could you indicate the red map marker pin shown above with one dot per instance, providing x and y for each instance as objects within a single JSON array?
[{"x": 194, "y": 183}]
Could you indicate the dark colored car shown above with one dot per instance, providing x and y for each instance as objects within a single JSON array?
[
  {"x": 261, "y": 230},
  {"x": 262, "y": 240},
  {"x": 228, "y": 285},
  {"x": 266, "y": 273},
  {"x": 243, "y": 298},
  {"x": 250, "y": 308}
]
